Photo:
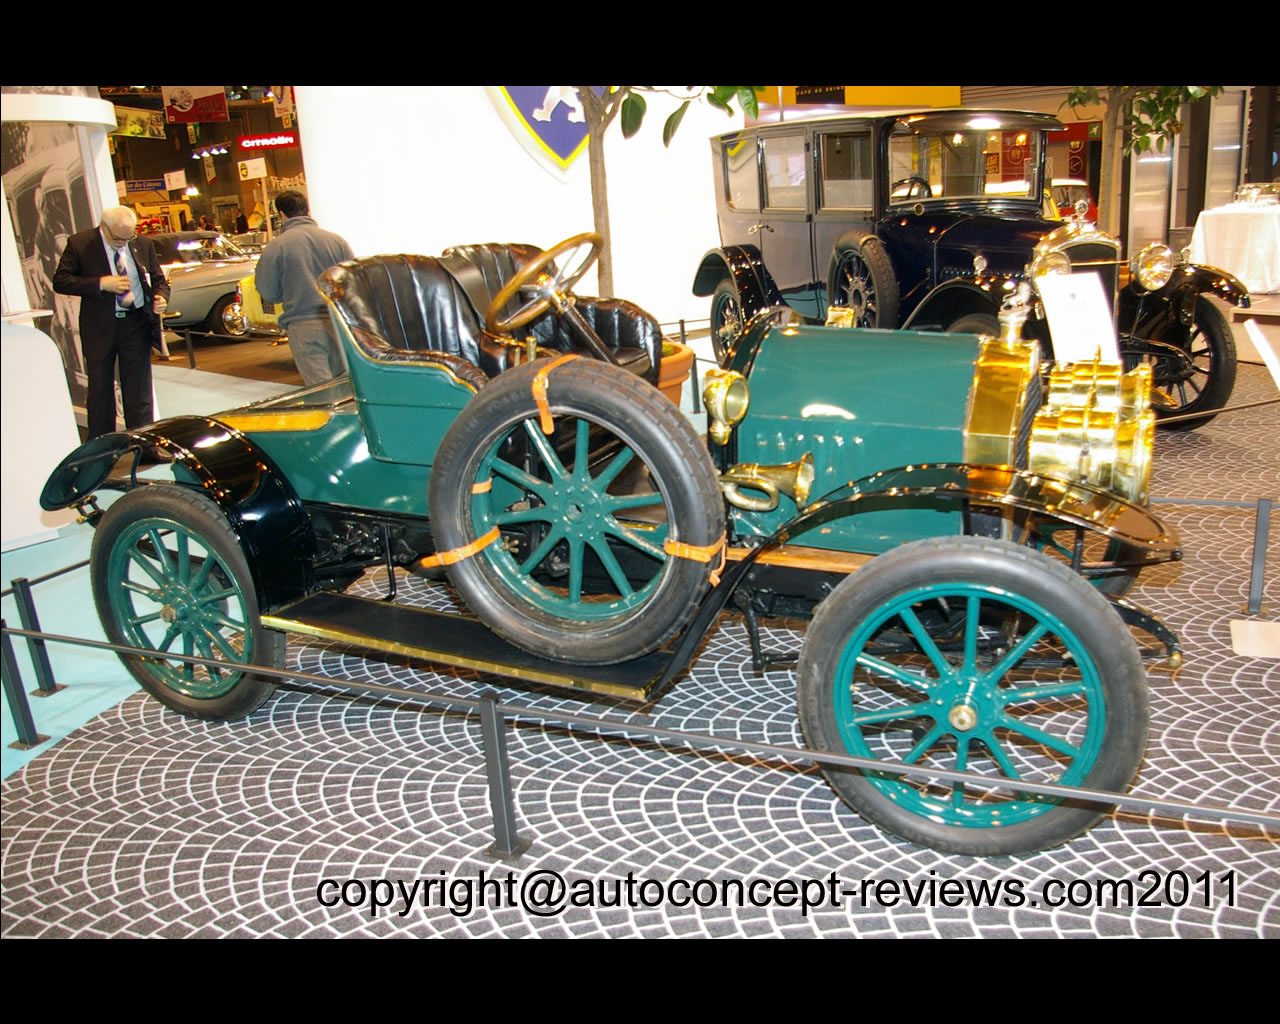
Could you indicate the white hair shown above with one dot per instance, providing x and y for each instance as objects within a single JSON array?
[{"x": 119, "y": 219}]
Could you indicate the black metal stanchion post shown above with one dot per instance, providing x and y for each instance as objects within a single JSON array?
[
  {"x": 18, "y": 706},
  {"x": 46, "y": 686},
  {"x": 191, "y": 352},
  {"x": 1261, "y": 527},
  {"x": 507, "y": 845}
]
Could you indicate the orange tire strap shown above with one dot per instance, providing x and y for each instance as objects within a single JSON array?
[
  {"x": 540, "y": 392},
  {"x": 458, "y": 554},
  {"x": 700, "y": 554}
]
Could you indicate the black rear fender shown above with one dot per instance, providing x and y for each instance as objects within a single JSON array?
[
  {"x": 744, "y": 266},
  {"x": 262, "y": 507}
]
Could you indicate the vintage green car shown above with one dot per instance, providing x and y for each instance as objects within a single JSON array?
[{"x": 957, "y": 519}]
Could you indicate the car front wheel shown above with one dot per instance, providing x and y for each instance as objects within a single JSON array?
[
  {"x": 976, "y": 656},
  {"x": 1201, "y": 374}
]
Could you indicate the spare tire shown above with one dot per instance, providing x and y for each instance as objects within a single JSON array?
[
  {"x": 592, "y": 543},
  {"x": 862, "y": 279}
]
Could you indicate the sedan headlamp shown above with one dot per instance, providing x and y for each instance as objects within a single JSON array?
[{"x": 1153, "y": 266}]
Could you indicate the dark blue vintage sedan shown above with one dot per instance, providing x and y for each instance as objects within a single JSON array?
[{"x": 928, "y": 221}]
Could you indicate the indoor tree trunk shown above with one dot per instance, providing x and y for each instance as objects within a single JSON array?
[
  {"x": 599, "y": 113},
  {"x": 600, "y": 211}
]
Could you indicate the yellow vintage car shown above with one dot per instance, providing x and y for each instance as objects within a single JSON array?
[{"x": 250, "y": 313}]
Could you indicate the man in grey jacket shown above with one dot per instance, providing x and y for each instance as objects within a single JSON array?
[{"x": 287, "y": 273}]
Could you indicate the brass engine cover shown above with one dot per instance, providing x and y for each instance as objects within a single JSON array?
[{"x": 1097, "y": 427}]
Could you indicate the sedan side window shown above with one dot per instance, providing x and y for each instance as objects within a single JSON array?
[
  {"x": 741, "y": 172},
  {"x": 784, "y": 172},
  {"x": 846, "y": 170}
]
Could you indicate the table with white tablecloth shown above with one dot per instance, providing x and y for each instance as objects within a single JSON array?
[{"x": 1242, "y": 239}]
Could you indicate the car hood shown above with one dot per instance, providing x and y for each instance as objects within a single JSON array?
[
  {"x": 955, "y": 238},
  {"x": 973, "y": 232}
]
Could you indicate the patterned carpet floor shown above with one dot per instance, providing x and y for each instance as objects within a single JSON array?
[{"x": 330, "y": 814}]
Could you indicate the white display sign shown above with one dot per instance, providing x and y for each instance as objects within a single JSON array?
[
  {"x": 256, "y": 168},
  {"x": 1079, "y": 318},
  {"x": 175, "y": 179}
]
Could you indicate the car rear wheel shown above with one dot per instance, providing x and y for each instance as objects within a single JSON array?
[
  {"x": 977, "y": 656},
  {"x": 223, "y": 319},
  {"x": 726, "y": 320},
  {"x": 592, "y": 543},
  {"x": 169, "y": 575}
]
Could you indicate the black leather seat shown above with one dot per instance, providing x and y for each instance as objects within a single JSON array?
[{"x": 397, "y": 307}]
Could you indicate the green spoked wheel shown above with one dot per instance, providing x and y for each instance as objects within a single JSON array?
[
  {"x": 978, "y": 656},
  {"x": 571, "y": 538},
  {"x": 170, "y": 576}
]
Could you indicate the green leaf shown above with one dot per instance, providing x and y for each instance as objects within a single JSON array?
[
  {"x": 747, "y": 99},
  {"x": 633, "y": 108},
  {"x": 673, "y": 122},
  {"x": 716, "y": 101}
]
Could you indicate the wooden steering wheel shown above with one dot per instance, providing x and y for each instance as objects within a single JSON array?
[{"x": 549, "y": 290}]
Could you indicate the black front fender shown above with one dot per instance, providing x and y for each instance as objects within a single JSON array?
[
  {"x": 262, "y": 507},
  {"x": 956, "y": 298},
  {"x": 1177, "y": 299},
  {"x": 1079, "y": 505}
]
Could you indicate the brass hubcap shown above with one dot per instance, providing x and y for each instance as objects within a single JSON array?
[{"x": 963, "y": 717}]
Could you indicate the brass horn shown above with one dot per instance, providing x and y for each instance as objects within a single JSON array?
[{"x": 794, "y": 479}]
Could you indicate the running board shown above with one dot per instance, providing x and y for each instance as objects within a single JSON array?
[{"x": 451, "y": 639}]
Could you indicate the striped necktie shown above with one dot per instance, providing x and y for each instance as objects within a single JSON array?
[{"x": 124, "y": 301}]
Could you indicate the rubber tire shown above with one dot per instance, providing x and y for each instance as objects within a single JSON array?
[
  {"x": 975, "y": 323},
  {"x": 213, "y": 323},
  {"x": 1220, "y": 348},
  {"x": 1118, "y": 674},
  {"x": 168, "y": 507},
  {"x": 493, "y": 583},
  {"x": 868, "y": 252},
  {"x": 726, "y": 312}
]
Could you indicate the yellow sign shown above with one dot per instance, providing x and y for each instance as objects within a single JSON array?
[{"x": 901, "y": 96}]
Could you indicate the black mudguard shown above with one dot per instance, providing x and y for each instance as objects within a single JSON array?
[
  {"x": 956, "y": 298},
  {"x": 262, "y": 507},
  {"x": 1176, "y": 301},
  {"x": 1081, "y": 505},
  {"x": 744, "y": 266}
]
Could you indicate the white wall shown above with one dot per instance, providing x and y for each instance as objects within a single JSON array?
[
  {"x": 39, "y": 429},
  {"x": 417, "y": 169}
]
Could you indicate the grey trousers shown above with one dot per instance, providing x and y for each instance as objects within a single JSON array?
[{"x": 316, "y": 351}]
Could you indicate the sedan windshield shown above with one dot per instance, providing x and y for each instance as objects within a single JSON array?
[
  {"x": 972, "y": 163},
  {"x": 197, "y": 248}
]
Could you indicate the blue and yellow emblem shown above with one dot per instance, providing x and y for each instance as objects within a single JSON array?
[{"x": 548, "y": 120}]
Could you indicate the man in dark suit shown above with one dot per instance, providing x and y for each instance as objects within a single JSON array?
[{"x": 122, "y": 293}]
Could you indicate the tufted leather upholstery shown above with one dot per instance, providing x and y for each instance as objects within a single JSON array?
[{"x": 397, "y": 307}]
